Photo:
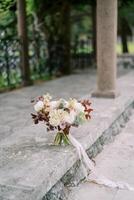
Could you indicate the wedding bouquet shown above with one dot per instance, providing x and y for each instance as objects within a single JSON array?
[{"x": 61, "y": 115}]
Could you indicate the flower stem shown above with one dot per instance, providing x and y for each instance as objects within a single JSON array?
[{"x": 61, "y": 138}]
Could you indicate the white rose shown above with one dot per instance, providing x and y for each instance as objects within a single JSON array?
[
  {"x": 70, "y": 118},
  {"x": 75, "y": 105},
  {"x": 79, "y": 107},
  {"x": 38, "y": 106}
]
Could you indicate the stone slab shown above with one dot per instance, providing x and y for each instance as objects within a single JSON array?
[
  {"x": 88, "y": 191},
  {"x": 29, "y": 164},
  {"x": 115, "y": 162},
  {"x": 124, "y": 195}
]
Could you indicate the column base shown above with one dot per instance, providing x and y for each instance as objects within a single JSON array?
[{"x": 105, "y": 94}]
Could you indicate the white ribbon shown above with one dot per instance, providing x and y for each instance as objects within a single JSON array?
[{"x": 94, "y": 177}]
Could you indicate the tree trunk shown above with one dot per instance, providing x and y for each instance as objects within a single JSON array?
[
  {"x": 124, "y": 36},
  {"x": 94, "y": 30},
  {"x": 58, "y": 37},
  {"x": 22, "y": 32},
  {"x": 65, "y": 38},
  {"x": 52, "y": 54},
  {"x": 124, "y": 43}
]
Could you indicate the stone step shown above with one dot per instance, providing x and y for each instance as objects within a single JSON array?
[
  {"x": 31, "y": 168},
  {"x": 115, "y": 162}
]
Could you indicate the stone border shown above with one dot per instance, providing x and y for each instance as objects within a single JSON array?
[{"x": 75, "y": 174}]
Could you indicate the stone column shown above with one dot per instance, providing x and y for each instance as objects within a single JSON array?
[{"x": 106, "y": 48}]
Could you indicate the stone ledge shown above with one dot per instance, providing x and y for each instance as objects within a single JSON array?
[
  {"x": 31, "y": 169},
  {"x": 75, "y": 175}
]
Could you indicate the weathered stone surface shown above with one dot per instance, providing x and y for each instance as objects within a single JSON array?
[
  {"x": 29, "y": 164},
  {"x": 54, "y": 195},
  {"x": 105, "y": 138},
  {"x": 115, "y": 162},
  {"x": 124, "y": 195},
  {"x": 88, "y": 191}
]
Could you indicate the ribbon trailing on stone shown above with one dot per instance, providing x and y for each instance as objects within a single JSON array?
[{"x": 94, "y": 177}]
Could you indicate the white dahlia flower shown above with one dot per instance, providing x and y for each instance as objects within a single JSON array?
[{"x": 57, "y": 117}]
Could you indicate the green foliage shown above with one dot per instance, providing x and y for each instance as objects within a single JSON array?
[
  {"x": 31, "y": 7},
  {"x": 81, "y": 20},
  {"x": 127, "y": 12},
  {"x": 46, "y": 16},
  {"x": 123, "y": 3},
  {"x": 15, "y": 79},
  {"x": 6, "y": 5},
  {"x": 130, "y": 47},
  {"x": 7, "y": 13},
  {"x": 7, "y": 19}
]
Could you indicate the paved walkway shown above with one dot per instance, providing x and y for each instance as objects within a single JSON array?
[
  {"x": 116, "y": 162},
  {"x": 15, "y": 106}
]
